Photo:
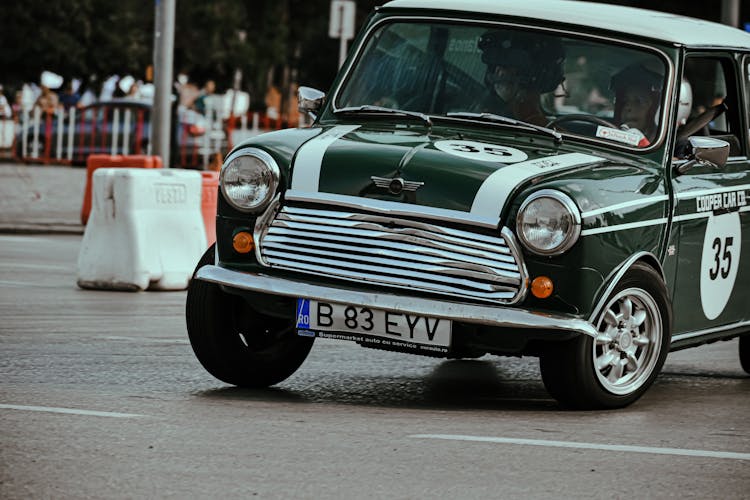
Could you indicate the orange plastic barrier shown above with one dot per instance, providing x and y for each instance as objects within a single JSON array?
[
  {"x": 109, "y": 161},
  {"x": 208, "y": 204}
]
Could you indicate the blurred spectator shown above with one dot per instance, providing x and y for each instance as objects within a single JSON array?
[
  {"x": 208, "y": 90},
  {"x": 292, "y": 113},
  {"x": 186, "y": 90},
  {"x": 48, "y": 100},
  {"x": 5, "y": 110},
  {"x": 108, "y": 88},
  {"x": 18, "y": 103},
  {"x": 273, "y": 103},
  {"x": 134, "y": 92},
  {"x": 70, "y": 97}
]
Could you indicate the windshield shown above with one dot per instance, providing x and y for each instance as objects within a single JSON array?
[{"x": 577, "y": 86}]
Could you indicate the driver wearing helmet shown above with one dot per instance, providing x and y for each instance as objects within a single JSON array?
[
  {"x": 520, "y": 67},
  {"x": 637, "y": 100}
]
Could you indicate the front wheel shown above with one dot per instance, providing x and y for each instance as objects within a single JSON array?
[
  {"x": 745, "y": 353},
  {"x": 237, "y": 344},
  {"x": 615, "y": 368}
]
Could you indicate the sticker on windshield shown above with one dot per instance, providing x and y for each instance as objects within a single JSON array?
[
  {"x": 719, "y": 262},
  {"x": 481, "y": 151},
  {"x": 633, "y": 136}
]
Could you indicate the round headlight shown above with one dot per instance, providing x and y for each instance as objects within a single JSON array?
[
  {"x": 548, "y": 223},
  {"x": 249, "y": 179}
]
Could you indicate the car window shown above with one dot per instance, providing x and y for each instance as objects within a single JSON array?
[
  {"x": 577, "y": 85},
  {"x": 711, "y": 80}
]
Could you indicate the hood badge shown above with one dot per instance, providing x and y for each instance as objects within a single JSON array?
[{"x": 396, "y": 185}]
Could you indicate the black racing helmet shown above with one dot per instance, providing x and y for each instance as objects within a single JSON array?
[
  {"x": 646, "y": 76},
  {"x": 539, "y": 58}
]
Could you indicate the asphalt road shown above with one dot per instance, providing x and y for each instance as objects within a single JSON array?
[{"x": 101, "y": 397}]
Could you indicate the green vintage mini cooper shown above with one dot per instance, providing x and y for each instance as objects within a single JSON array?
[{"x": 555, "y": 179}]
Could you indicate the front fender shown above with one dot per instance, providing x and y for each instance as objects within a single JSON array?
[{"x": 616, "y": 276}]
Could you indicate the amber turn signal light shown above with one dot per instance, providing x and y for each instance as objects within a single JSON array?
[
  {"x": 542, "y": 287},
  {"x": 243, "y": 242}
]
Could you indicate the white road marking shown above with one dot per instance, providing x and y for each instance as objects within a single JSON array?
[
  {"x": 590, "y": 446},
  {"x": 146, "y": 340},
  {"x": 70, "y": 411},
  {"x": 25, "y": 284},
  {"x": 49, "y": 267}
]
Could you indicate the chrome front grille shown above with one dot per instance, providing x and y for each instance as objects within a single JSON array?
[{"x": 393, "y": 251}]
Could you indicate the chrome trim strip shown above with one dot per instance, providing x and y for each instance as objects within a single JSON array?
[
  {"x": 625, "y": 204},
  {"x": 470, "y": 313},
  {"x": 406, "y": 247},
  {"x": 615, "y": 276},
  {"x": 708, "y": 331},
  {"x": 392, "y": 208},
  {"x": 394, "y": 239},
  {"x": 411, "y": 270},
  {"x": 493, "y": 297},
  {"x": 354, "y": 55},
  {"x": 515, "y": 250},
  {"x": 399, "y": 258},
  {"x": 309, "y": 213},
  {"x": 262, "y": 225},
  {"x": 405, "y": 234}
]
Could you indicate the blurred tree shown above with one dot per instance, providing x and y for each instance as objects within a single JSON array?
[{"x": 286, "y": 40}]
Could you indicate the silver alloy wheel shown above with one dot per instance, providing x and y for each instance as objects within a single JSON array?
[{"x": 627, "y": 347}]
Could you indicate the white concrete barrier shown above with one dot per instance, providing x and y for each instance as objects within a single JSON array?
[{"x": 145, "y": 231}]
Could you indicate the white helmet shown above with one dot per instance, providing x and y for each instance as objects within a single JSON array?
[{"x": 686, "y": 102}]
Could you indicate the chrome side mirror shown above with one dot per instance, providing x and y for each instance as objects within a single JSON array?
[
  {"x": 310, "y": 100},
  {"x": 706, "y": 152}
]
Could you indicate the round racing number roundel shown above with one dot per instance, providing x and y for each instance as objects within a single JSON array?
[
  {"x": 719, "y": 262},
  {"x": 481, "y": 151}
]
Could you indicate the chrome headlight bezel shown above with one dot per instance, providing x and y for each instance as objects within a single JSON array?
[
  {"x": 569, "y": 207},
  {"x": 271, "y": 173}
]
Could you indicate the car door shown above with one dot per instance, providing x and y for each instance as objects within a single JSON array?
[{"x": 712, "y": 207}]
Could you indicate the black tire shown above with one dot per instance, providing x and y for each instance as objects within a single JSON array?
[
  {"x": 237, "y": 344},
  {"x": 745, "y": 353},
  {"x": 616, "y": 368}
]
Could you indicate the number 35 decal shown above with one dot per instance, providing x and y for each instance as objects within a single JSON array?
[
  {"x": 725, "y": 257},
  {"x": 719, "y": 262},
  {"x": 481, "y": 151}
]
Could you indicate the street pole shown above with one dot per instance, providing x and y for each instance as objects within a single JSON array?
[
  {"x": 730, "y": 12},
  {"x": 342, "y": 39},
  {"x": 161, "y": 115}
]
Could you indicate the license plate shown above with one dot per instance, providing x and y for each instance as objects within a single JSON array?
[{"x": 372, "y": 326}]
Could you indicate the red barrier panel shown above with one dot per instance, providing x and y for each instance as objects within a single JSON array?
[
  {"x": 108, "y": 161},
  {"x": 208, "y": 204}
]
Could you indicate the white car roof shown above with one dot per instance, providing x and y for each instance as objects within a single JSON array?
[{"x": 638, "y": 22}]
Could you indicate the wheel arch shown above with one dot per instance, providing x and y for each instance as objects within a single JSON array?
[{"x": 618, "y": 273}]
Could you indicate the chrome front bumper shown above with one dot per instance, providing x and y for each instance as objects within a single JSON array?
[{"x": 498, "y": 316}]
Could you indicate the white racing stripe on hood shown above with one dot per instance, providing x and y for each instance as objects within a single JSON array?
[
  {"x": 496, "y": 188},
  {"x": 306, "y": 171}
]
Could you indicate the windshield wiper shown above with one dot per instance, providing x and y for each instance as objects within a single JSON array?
[
  {"x": 491, "y": 117},
  {"x": 369, "y": 108}
]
